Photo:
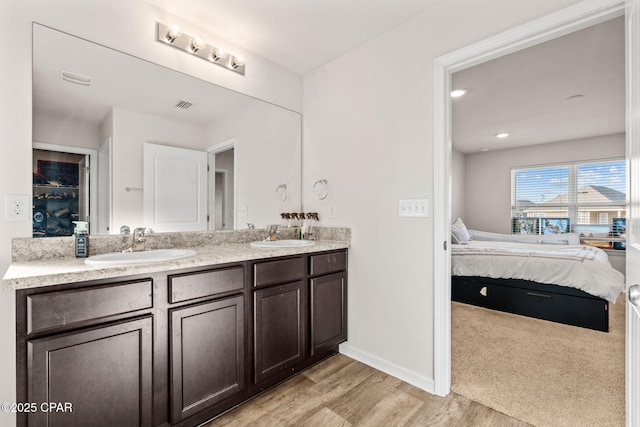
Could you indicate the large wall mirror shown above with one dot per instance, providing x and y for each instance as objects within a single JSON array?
[{"x": 120, "y": 141}]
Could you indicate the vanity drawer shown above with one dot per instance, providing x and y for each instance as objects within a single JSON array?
[
  {"x": 328, "y": 263},
  {"x": 57, "y": 309},
  {"x": 203, "y": 284},
  {"x": 280, "y": 271}
]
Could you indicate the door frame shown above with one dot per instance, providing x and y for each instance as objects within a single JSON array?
[
  {"x": 225, "y": 200},
  {"x": 228, "y": 144},
  {"x": 93, "y": 174},
  {"x": 562, "y": 22}
]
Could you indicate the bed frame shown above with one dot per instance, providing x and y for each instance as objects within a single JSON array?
[{"x": 549, "y": 302}]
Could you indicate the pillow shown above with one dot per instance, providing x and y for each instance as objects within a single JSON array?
[
  {"x": 459, "y": 232},
  {"x": 487, "y": 236}
]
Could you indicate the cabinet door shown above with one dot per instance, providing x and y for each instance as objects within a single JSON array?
[
  {"x": 328, "y": 311},
  {"x": 280, "y": 325},
  {"x": 207, "y": 355},
  {"x": 105, "y": 374}
]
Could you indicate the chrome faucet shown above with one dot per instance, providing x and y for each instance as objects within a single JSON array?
[
  {"x": 139, "y": 237},
  {"x": 274, "y": 234}
]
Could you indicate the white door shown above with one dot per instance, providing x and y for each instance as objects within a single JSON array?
[
  {"x": 633, "y": 212},
  {"x": 174, "y": 188}
]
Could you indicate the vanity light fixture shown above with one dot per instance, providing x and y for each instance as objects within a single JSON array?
[
  {"x": 238, "y": 61},
  {"x": 196, "y": 44},
  {"x": 502, "y": 135},
  {"x": 173, "y": 36},
  {"x": 457, "y": 93},
  {"x": 219, "y": 54}
]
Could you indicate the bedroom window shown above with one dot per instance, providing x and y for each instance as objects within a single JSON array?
[{"x": 591, "y": 194}]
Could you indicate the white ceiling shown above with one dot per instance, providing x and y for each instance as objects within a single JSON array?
[
  {"x": 299, "y": 35},
  {"x": 119, "y": 80},
  {"x": 526, "y": 93}
]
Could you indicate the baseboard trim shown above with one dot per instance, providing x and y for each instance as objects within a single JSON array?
[{"x": 399, "y": 372}]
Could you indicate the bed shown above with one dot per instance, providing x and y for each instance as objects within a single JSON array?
[{"x": 547, "y": 277}]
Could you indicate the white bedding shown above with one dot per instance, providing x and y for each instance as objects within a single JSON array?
[{"x": 582, "y": 267}]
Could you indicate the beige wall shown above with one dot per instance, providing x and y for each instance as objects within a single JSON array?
[
  {"x": 125, "y": 25},
  {"x": 488, "y": 175},
  {"x": 368, "y": 130},
  {"x": 458, "y": 182}
]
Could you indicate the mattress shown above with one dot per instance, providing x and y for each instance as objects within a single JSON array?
[{"x": 582, "y": 267}]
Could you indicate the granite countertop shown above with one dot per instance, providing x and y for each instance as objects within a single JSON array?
[{"x": 61, "y": 270}]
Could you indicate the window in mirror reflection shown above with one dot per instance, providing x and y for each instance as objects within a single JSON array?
[{"x": 60, "y": 192}]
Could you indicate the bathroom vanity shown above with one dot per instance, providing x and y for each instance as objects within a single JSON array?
[{"x": 175, "y": 343}]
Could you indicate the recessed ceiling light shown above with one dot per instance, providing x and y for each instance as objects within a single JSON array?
[
  {"x": 456, "y": 93},
  {"x": 502, "y": 135}
]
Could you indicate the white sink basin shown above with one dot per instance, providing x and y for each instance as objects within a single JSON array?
[
  {"x": 283, "y": 243},
  {"x": 123, "y": 258}
]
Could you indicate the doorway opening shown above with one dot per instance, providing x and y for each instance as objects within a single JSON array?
[
  {"x": 63, "y": 178},
  {"x": 222, "y": 186},
  {"x": 555, "y": 25}
]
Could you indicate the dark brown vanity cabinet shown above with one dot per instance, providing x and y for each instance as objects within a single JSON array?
[
  {"x": 103, "y": 374},
  {"x": 175, "y": 348},
  {"x": 299, "y": 312},
  {"x": 89, "y": 351},
  {"x": 328, "y": 304},
  {"x": 279, "y": 316},
  {"x": 207, "y": 340}
]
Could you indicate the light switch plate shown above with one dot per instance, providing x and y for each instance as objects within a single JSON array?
[
  {"x": 18, "y": 207},
  {"x": 413, "y": 208}
]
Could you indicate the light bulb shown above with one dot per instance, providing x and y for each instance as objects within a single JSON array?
[
  {"x": 502, "y": 135},
  {"x": 458, "y": 93},
  {"x": 196, "y": 44},
  {"x": 219, "y": 54},
  {"x": 238, "y": 61},
  {"x": 173, "y": 33}
]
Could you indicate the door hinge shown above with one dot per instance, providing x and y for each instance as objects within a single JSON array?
[{"x": 445, "y": 245}]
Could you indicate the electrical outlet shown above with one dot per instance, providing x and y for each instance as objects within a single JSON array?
[{"x": 17, "y": 207}]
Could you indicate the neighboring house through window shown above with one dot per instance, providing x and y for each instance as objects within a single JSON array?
[{"x": 591, "y": 194}]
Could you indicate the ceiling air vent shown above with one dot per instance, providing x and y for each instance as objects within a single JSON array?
[{"x": 183, "y": 104}]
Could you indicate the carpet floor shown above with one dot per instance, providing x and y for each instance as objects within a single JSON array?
[{"x": 544, "y": 373}]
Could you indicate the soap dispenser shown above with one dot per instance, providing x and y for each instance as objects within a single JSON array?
[{"x": 82, "y": 239}]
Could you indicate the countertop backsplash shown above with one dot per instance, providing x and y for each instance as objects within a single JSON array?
[{"x": 34, "y": 249}]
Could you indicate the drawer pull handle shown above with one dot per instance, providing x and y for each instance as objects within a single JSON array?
[{"x": 535, "y": 294}]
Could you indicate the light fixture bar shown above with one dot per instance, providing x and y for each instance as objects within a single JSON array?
[{"x": 195, "y": 46}]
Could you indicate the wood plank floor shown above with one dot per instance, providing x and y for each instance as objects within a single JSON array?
[{"x": 342, "y": 392}]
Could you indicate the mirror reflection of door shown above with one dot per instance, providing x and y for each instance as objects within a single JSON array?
[
  {"x": 223, "y": 204},
  {"x": 219, "y": 205},
  {"x": 60, "y": 191}
]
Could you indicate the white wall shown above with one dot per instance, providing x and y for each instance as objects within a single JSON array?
[
  {"x": 368, "y": 130},
  {"x": 458, "y": 182},
  {"x": 130, "y": 131},
  {"x": 266, "y": 138},
  {"x": 488, "y": 175},
  {"x": 52, "y": 130},
  {"x": 125, "y": 25}
]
